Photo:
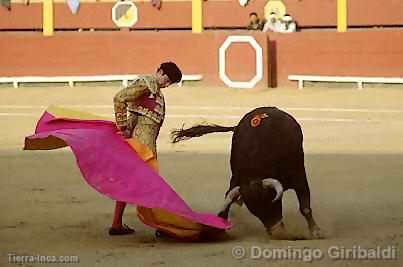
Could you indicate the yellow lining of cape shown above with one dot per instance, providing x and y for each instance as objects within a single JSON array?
[{"x": 60, "y": 112}]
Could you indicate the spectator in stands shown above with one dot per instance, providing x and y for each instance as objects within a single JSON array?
[
  {"x": 255, "y": 23},
  {"x": 273, "y": 24},
  {"x": 288, "y": 24}
]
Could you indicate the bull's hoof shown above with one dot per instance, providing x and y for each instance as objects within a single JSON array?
[
  {"x": 279, "y": 232},
  {"x": 317, "y": 233}
]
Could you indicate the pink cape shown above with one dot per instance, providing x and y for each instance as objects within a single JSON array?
[{"x": 112, "y": 167}]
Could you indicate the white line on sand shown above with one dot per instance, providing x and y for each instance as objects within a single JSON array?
[
  {"x": 203, "y": 116},
  {"x": 237, "y": 117},
  {"x": 361, "y": 110},
  {"x": 18, "y": 114},
  {"x": 293, "y": 109}
]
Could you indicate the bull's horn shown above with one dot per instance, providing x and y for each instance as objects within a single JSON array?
[
  {"x": 270, "y": 182},
  {"x": 232, "y": 196}
]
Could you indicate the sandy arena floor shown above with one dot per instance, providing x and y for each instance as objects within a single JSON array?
[{"x": 354, "y": 159}]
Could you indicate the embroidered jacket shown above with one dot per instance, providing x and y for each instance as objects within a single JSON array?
[{"x": 143, "y": 97}]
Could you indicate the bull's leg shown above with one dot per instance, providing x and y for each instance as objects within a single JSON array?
[
  {"x": 231, "y": 196},
  {"x": 304, "y": 199},
  {"x": 273, "y": 222},
  {"x": 259, "y": 201}
]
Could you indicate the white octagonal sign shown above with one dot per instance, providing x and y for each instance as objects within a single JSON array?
[
  {"x": 124, "y": 14},
  {"x": 259, "y": 61}
]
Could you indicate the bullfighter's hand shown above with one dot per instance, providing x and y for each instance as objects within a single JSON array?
[{"x": 125, "y": 132}]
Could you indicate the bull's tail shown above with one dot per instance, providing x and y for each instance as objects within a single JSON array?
[{"x": 198, "y": 130}]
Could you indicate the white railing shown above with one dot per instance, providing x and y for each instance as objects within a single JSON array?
[
  {"x": 359, "y": 80},
  {"x": 73, "y": 79}
]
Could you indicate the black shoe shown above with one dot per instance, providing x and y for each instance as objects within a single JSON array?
[{"x": 125, "y": 230}]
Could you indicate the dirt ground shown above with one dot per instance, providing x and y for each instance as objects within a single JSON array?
[{"x": 354, "y": 158}]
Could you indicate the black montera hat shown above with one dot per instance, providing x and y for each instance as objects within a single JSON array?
[{"x": 172, "y": 71}]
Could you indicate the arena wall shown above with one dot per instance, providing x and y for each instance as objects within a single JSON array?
[
  {"x": 361, "y": 53},
  {"x": 375, "y": 52},
  {"x": 93, "y": 53},
  {"x": 216, "y": 14},
  {"x": 355, "y": 53}
]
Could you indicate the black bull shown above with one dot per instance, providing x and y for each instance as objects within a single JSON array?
[{"x": 267, "y": 158}]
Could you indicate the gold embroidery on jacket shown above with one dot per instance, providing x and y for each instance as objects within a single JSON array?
[{"x": 127, "y": 100}]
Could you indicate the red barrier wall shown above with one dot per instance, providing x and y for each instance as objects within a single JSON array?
[
  {"x": 364, "y": 53},
  {"x": 361, "y": 53},
  {"x": 98, "y": 53},
  {"x": 217, "y": 13},
  {"x": 96, "y": 15},
  {"x": 173, "y": 15},
  {"x": 21, "y": 17},
  {"x": 375, "y": 12}
]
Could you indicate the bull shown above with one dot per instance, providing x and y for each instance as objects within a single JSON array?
[{"x": 267, "y": 158}]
